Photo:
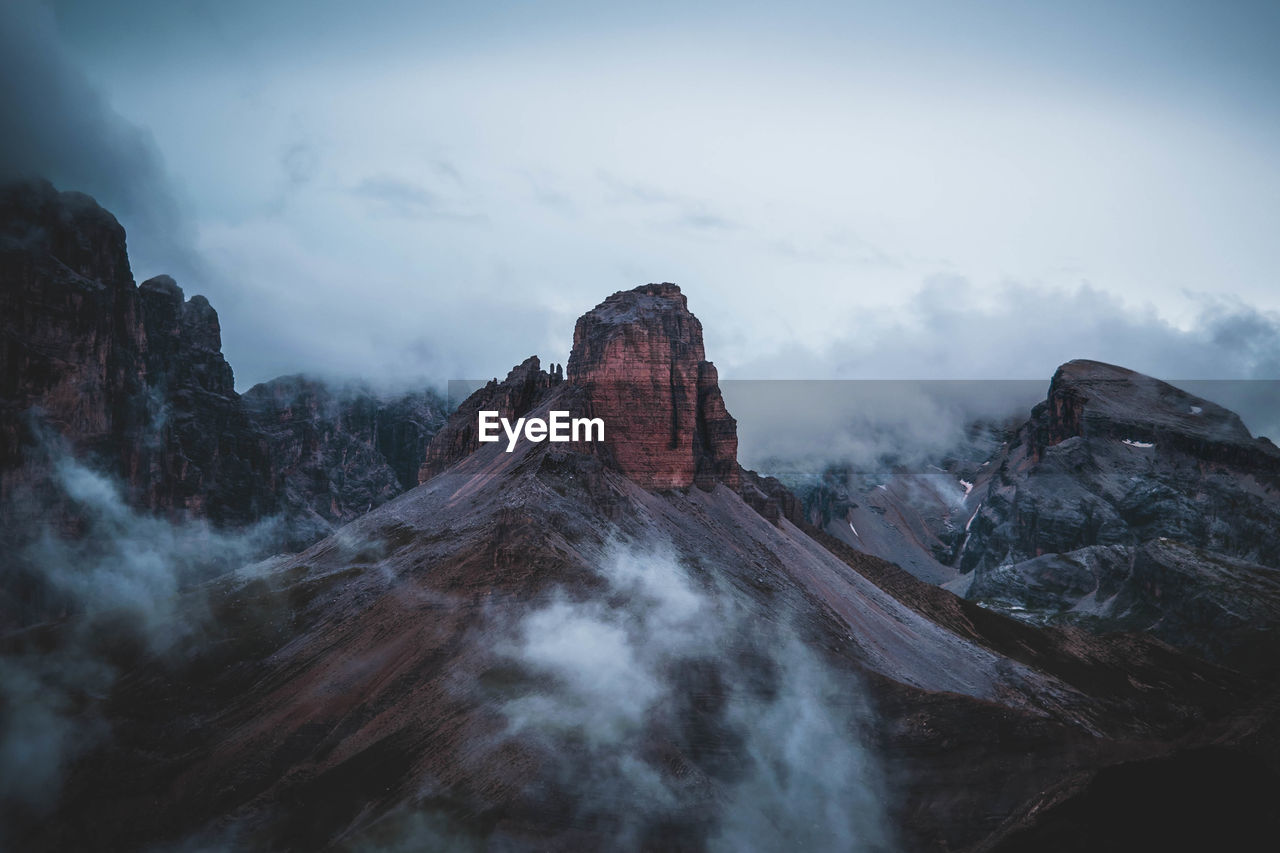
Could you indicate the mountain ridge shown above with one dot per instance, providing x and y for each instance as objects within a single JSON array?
[{"x": 634, "y": 644}]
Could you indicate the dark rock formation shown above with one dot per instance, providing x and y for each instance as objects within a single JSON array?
[
  {"x": 1127, "y": 503},
  {"x": 133, "y": 381},
  {"x": 339, "y": 452},
  {"x": 407, "y": 421},
  {"x": 769, "y": 497},
  {"x": 213, "y": 462},
  {"x": 1122, "y": 503},
  {"x": 132, "y": 378},
  {"x": 1093, "y": 400},
  {"x": 72, "y": 338}
]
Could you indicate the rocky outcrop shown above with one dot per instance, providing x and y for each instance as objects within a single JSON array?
[
  {"x": 638, "y": 364},
  {"x": 639, "y": 358},
  {"x": 1093, "y": 400},
  {"x": 211, "y": 460},
  {"x": 514, "y": 397},
  {"x": 406, "y": 424},
  {"x": 132, "y": 378},
  {"x": 1117, "y": 458},
  {"x": 338, "y": 452},
  {"x": 1127, "y": 503},
  {"x": 770, "y": 497},
  {"x": 1122, "y": 503},
  {"x": 71, "y": 337}
]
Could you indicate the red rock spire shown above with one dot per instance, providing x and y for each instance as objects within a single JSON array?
[{"x": 639, "y": 361}]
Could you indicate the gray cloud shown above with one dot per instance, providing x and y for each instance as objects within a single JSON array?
[
  {"x": 870, "y": 425},
  {"x": 300, "y": 162},
  {"x": 392, "y": 196},
  {"x": 128, "y": 586},
  {"x": 1251, "y": 335},
  {"x": 709, "y": 221},
  {"x": 55, "y": 124},
  {"x": 675, "y": 210},
  {"x": 613, "y": 672},
  {"x": 950, "y": 329},
  {"x": 738, "y": 169},
  {"x": 449, "y": 170},
  {"x": 403, "y": 197},
  {"x": 1002, "y": 350}
]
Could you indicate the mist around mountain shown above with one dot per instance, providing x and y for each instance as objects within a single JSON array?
[{"x": 326, "y": 617}]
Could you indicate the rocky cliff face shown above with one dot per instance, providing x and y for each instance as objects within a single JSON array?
[
  {"x": 638, "y": 363},
  {"x": 1125, "y": 502},
  {"x": 1121, "y": 503},
  {"x": 1096, "y": 401},
  {"x": 132, "y": 380},
  {"x": 72, "y": 340},
  {"x": 639, "y": 360},
  {"x": 211, "y": 461},
  {"x": 339, "y": 452},
  {"x": 130, "y": 377}
]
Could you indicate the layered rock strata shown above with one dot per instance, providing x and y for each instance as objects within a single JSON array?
[
  {"x": 131, "y": 378},
  {"x": 639, "y": 358},
  {"x": 638, "y": 364}
]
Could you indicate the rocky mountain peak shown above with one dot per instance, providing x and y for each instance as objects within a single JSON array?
[
  {"x": 200, "y": 324},
  {"x": 1125, "y": 503},
  {"x": 162, "y": 287},
  {"x": 131, "y": 377},
  {"x": 639, "y": 361},
  {"x": 1091, "y": 398},
  {"x": 69, "y": 322},
  {"x": 184, "y": 338},
  {"x": 165, "y": 307},
  {"x": 132, "y": 380},
  {"x": 37, "y": 221}
]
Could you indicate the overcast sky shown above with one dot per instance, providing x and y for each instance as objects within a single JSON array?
[{"x": 409, "y": 190}]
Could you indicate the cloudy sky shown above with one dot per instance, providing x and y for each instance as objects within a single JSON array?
[{"x": 426, "y": 190}]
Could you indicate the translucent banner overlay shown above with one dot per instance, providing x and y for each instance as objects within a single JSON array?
[{"x": 797, "y": 427}]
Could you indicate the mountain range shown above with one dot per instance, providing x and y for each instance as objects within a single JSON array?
[{"x": 628, "y": 644}]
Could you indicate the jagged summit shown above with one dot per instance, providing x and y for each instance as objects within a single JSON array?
[
  {"x": 1127, "y": 503},
  {"x": 638, "y": 363},
  {"x": 38, "y": 221},
  {"x": 133, "y": 379},
  {"x": 164, "y": 285},
  {"x": 639, "y": 359},
  {"x": 131, "y": 376},
  {"x": 1092, "y": 398}
]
